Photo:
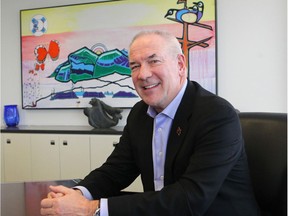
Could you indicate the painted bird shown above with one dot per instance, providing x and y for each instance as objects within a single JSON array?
[
  {"x": 181, "y": 15},
  {"x": 198, "y": 9},
  {"x": 190, "y": 15}
]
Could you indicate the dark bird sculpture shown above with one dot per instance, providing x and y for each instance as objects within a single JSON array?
[{"x": 101, "y": 115}]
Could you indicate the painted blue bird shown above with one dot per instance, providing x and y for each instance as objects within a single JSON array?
[
  {"x": 198, "y": 9},
  {"x": 190, "y": 15},
  {"x": 180, "y": 14}
]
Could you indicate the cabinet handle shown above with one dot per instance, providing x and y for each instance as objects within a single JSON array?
[
  {"x": 65, "y": 143},
  {"x": 52, "y": 142},
  {"x": 8, "y": 141},
  {"x": 115, "y": 143}
]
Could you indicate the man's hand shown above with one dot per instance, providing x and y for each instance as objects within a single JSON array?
[{"x": 63, "y": 201}]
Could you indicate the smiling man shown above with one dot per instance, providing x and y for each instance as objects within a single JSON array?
[
  {"x": 185, "y": 142},
  {"x": 158, "y": 69}
]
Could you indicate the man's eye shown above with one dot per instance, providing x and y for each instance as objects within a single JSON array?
[
  {"x": 154, "y": 61},
  {"x": 134, "y": 67}
]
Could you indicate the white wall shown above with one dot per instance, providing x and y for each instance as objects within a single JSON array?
[
  {"x": 252, "y": 54},
  {"x": 252, "y": 70}
]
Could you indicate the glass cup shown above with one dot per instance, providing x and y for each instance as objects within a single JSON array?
[{"x": 11, "y": 115}]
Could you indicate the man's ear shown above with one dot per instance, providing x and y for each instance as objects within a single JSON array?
[{"x": 182, "y": 64}]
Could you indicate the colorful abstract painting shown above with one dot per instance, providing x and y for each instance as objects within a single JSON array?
[{"x": 71, "y": 54}]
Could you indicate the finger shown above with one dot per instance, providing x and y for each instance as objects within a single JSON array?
[
  {"x": 60, "y": 189},
  {"x": 47, "y": 211},
  {"x": 46, "y": 203},
  {"x": 52, "y": 195}
]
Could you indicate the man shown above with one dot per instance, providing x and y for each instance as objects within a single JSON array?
[{"x": 184, "y": 141}]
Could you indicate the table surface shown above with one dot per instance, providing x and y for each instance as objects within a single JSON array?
[{"x": 23, "y": 198}]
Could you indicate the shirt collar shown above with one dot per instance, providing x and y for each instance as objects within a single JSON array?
[{"x": 171, "y": 109}]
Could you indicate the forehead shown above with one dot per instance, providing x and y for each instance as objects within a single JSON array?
[{"x": 147, "y": 45}]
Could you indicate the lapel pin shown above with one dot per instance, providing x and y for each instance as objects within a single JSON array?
[{"x": 179, "y": 131}]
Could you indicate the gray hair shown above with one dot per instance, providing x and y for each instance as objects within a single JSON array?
[{"x": 172, "y": 42}]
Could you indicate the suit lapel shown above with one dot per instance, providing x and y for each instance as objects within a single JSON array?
[
  {"x": 178, "y": 131},
  {"x": 142, "y": 132},
  {"x": 147, "y": 151}
]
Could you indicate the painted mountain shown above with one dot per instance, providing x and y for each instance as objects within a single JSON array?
[{"x": 84, "y": 64}]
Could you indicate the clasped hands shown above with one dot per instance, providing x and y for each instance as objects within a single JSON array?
[{"x": 63, "y": 201}]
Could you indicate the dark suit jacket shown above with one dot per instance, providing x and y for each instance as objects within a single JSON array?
[{"x": 206, "y": 170}]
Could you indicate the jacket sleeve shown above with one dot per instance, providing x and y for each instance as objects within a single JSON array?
[{"x": 118, "y": 172}]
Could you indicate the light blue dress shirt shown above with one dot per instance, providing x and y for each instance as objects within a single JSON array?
[{"x": 162, "y": 125}]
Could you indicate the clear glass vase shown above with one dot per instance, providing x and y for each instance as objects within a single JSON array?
[{"x": 11, "y": 115}]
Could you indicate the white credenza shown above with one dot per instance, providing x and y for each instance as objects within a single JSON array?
[
  {"x": 15, "y": 154},
  {"x": 51, "y": 155}
]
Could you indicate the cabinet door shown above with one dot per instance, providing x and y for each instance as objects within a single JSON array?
[
  {"x": 16, "y": 153},
  {"x": 2, "y": 159},
  {"x": 74, "y": 156},
  {"x": 45, "y": 153},
  {"x": 101, "y": 148}
]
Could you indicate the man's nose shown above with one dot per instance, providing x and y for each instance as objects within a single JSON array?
[{"x": 144, "y": 72}]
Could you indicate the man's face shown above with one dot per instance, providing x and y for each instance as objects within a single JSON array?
[{"x": 157, "y": 74}]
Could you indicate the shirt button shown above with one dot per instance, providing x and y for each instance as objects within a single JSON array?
[
  {"x": 159, "y": 129},
  {"x": 160, "y": 153},
  {"x": 162, "y": 177}
]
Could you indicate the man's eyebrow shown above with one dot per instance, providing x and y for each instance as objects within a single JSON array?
[
  {"x": 147, "y": 58},
  {"x": 151, "y": 56},
  {"x": 132, "y": 63}
]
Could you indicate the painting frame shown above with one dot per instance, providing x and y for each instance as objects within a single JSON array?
[{"x": 66, "y": 60}]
